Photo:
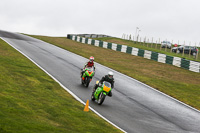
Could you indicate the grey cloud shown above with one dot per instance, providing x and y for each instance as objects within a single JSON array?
[{"x": 174, "y": 20}]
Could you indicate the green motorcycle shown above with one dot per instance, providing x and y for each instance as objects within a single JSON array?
[
  {"x": 86, "y": 78},
  {"x": 101, "y": 92}
]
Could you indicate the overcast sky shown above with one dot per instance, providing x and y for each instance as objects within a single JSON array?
[{"x": 165, "y": 19}]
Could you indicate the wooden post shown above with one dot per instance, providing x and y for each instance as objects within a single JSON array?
[
  {"x": 144, "y": 41},
  {"x": 197, "y": 52},
  {"x": 183, "y": 48},
  {"x": 156, "y": 44},
  {"x": 135, "y": 39},
  {"x": 177, "y": 47},
  {"x": 171, "y": 46},
  {"x": 152, "y": 42},
  {"x": 160, "y": 44},
  {"x": 189, "y": 50}
]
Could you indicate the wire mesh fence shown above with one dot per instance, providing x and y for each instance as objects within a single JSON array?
[{"x": 175, "y": 49}]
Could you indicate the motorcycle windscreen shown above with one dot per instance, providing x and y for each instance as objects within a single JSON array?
[
  {"x": 107, "y": 86},
  {"x": 89, "y": 71}
]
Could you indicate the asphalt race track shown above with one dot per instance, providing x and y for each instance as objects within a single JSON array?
[{"x": 134, "y": 107}]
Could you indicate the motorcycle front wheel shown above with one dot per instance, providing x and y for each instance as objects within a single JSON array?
[
  {"x": 92, "y": 96},
  {"x": 82, "y": 81},
  {"x": 87, "y": 81},
  {"x": 101, "y": 98}
]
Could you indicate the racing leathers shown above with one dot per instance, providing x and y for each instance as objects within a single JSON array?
[{"x": 106, "y": 78}]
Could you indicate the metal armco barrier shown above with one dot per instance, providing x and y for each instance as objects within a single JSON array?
[{"x": 176, "y": 61}]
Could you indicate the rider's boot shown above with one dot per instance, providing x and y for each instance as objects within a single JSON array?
[{"x": 110, "y": 94}]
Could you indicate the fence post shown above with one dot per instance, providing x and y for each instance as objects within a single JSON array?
[
  {"x": 160, "y": 44},
  {"x": 156, "y": 44},
  {"x": 197, "y": 53},
  {"x": 135, "y": 39},
  {"x": 152, "y": 42},
  {"x": 183, "y": 48},
  {"x": 189, "y": 50},
  {"x": 177, "y": 48},
  {"x": 166, "y": 46},
  {"x": 171, "y": 46}
]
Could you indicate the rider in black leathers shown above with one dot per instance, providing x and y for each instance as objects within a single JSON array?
[{"x": 109, "y": 78}]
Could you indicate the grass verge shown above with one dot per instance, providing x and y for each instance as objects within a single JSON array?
[
  {"x": 177, "y": 82},
  {"x": 31, "y": 101}
]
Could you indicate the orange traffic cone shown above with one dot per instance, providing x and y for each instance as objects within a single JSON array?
[{"x": 87, "y": 106}]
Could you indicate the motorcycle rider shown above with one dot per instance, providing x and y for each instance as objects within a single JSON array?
[
  {"x": 109, "y": 78},
  {"x": 90, "y": 63}
]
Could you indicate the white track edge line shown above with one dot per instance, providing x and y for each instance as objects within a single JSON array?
[{"x": 77, "y": 98}]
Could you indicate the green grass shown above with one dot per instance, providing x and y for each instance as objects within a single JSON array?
[
  {"x": 32, "y": 102},
  {"x": 149, "y": 46},
  {"x": 177, "y": 82}
]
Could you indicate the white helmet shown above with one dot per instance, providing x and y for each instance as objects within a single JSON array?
[{"x": 110, "y": 75}]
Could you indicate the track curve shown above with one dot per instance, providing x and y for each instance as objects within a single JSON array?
[{"x": 135, "y": 107}]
